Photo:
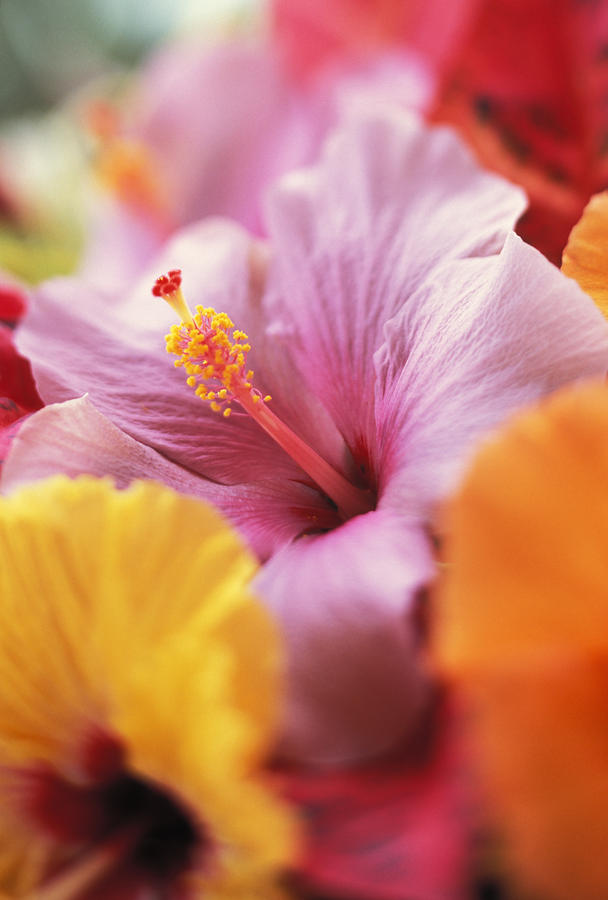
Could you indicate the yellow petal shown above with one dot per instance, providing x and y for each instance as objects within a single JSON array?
[
  {"x": 123, "y": 568},
  {"x": 130, "y": 611}
]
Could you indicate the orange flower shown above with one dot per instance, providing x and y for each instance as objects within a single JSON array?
[
  {"x": 523, "y": 625},
  {"x": 585, "y": 257}
]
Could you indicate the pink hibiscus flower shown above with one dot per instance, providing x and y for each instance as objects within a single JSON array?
[
  {"x": 207, "y": 130},
  {"x": 394, "y": 318}
]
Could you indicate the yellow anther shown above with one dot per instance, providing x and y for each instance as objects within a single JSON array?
[{"x": 213, "y": 354}]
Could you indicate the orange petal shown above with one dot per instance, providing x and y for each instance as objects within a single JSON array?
[
  {"x": 528, "y": 566},
  {"x": 542, "y": 735},
  {"x": 523, "y": 626},
  {"x": 586, "y": 255}
]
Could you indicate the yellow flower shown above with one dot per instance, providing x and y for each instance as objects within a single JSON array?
[
  {"x": 523, "y": 626},
  {"x": 138, "y": 699}
]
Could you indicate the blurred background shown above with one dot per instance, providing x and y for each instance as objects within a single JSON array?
[
  {"x": 47, "y": 49},
  {"x": 54, "y": 56}
]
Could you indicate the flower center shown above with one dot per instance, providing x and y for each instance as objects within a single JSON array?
[
  {"x": 213, "y": 353},
  {"x": 117, "y": 828}
]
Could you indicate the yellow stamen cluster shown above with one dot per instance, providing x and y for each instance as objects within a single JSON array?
[{"x": 214, "y": 354}]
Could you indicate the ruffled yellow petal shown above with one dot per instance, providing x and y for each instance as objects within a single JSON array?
[
  {"x": 130, "y": 611},
  {"x": 586, "y": 255}
]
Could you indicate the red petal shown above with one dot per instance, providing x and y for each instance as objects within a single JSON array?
[
  {"x": 310, "y": 33},
  {"x": 16, "y": 379},
  {"x": 527, "y": 88},
  {"x": 12, "y": 303},
  {"x": 388, "y": 831}
]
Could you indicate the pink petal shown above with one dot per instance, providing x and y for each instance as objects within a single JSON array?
[
  {"x": 120, "y": 244},
  {"x": 253, "y": 122},
  {"x": 389, "y": 830},
  {"x": 357, "y": 235},
  {"x": 83, "y": 340},
  {"x": 345, "y": 601},
  {"x": 482, "y": 339},
  {"x": 249, "y": 124},
  {"x": 75, "y": 438},
  {"x": 10, "y": 423}
]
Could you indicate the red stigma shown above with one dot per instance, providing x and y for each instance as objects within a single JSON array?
[{"x": 168, "y": 284}]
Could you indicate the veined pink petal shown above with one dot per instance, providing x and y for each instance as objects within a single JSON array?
[
  {"x": 82, "y": 340},
  {"x": 357, "y": 235},
  {"x": 481, "y": 339},
  {"x": 75, "y": 438},
  {"x": 345, "y": 602}
]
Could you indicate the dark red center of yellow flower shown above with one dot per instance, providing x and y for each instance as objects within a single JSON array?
[{"x": 147, "y": 838}]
